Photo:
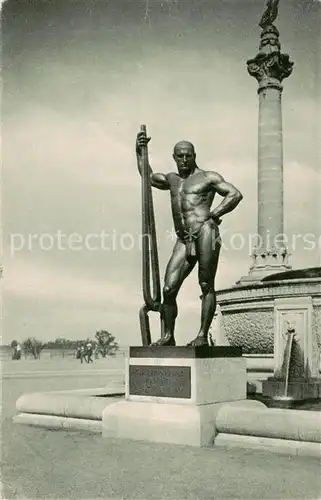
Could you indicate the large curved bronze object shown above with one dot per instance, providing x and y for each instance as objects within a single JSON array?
[{"x": 150, "y": 265}]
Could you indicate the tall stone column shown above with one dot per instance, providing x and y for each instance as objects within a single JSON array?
[{"x": 269, "y": 68}]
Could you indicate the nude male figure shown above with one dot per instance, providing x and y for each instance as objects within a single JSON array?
[{"x": 192, "y": 193}]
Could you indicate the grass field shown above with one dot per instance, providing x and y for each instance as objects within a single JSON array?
[{"x": 39, "y": 463}]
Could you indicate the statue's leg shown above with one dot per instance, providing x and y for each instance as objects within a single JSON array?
[
  {"x": 177, "y": 270},
  {"x": 208, "y": 249}
]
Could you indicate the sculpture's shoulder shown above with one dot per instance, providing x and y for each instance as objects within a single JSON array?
[
  {"x": 212, "y": 176},
  {"x": 172, "y": 177}
]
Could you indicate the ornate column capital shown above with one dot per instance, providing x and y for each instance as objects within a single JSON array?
[
  {"x": 270, "y": 258},
  {"x": 270, "y": 66}
]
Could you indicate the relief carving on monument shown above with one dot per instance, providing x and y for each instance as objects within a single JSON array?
[
  {"x": 259, "y": 328},
  {"x": 296, "y": 364},
  {"x": 297, "y": 320},
  {"x": 316, "y": 319}
]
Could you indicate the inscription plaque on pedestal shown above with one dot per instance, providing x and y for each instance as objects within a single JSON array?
[{"x": 160, "y": 381}]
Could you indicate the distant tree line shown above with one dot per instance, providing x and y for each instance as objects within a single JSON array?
[{"x": 104, "y": 344}]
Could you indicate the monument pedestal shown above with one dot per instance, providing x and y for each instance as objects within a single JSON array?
[{"x": 174, "y": 393}]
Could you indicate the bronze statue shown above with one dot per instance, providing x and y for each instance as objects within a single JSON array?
[
  {"x": 270, "y": 14},
  {"x": 192, "y": 192},
  {"x": 270, "y": 66}
]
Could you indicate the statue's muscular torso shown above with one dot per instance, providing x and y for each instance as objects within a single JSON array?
[{"x": 191, "y": 200}]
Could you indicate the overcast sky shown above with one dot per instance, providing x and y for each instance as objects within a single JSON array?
[{"x": 79, "y": 78}]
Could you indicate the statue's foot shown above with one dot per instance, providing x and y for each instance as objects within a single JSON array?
[
  {"x": 199, "y": 341},
  {"x": 168, "y": 340}
]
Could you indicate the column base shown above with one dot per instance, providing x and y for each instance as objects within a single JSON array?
[{"x": 266, "y": 262}]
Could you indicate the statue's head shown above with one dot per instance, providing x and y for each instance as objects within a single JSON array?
[{"x": 184, "y": 156}]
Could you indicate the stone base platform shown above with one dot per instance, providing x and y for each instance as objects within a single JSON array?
[
  {"x": 161, "y": 423},
  {"x": 297, "y": 390},
  {"x": 246, "y": 424},
  {"x": 79, "y": 409},
  {"x": 287, "y": 447},
  {"x": 173, "y": 393}
]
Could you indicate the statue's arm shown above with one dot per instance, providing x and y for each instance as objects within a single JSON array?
[
  {"x": 231, "y": 195},
  {"x": 158, "y": 181}
]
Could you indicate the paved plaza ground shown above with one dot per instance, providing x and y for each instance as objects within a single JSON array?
[{"x": 38, "y": 463}]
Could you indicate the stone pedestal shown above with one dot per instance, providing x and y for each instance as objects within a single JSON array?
[{"x": 174, "y": 393}]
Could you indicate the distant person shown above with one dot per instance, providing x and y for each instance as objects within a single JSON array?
[
  {"x": 89, "y": 352},
  {"x": 82, "y": 353},
  {"x": 211, "y": 341},
  {"x": 16, "y": 355}
]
